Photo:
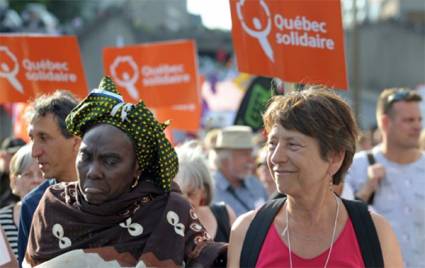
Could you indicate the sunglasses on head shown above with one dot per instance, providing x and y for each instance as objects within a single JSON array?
[{"x": 399, "y": 95}]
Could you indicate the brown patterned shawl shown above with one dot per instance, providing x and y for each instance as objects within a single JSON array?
[{"x": 160, "y": 229}]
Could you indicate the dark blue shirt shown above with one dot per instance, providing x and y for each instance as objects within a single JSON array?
[
  {"x": 29, "y": 204},
  {"x": 248, "y": 196}
]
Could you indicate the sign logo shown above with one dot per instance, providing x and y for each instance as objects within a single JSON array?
[
  {"x": 10, "y": 72},
  {"x": 126, "y": 80},
  {"x": 276, "y": 38},
  {"x": 260, "y": 32},
  {"x": 161, "y": 74},
  {"x": 31, "y": 65}
]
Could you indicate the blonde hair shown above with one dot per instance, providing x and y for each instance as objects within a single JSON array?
[
  {"x": 21, "y": 160},
  {"x": 389, "y": 96}
]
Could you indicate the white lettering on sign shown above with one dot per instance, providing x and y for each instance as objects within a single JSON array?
[
  {"x": 298, "y": 23},
  {"x": 47, "y": 70},
  {"x": 305, "y": 40},
  {"x": 164, "y": 74},
  {"x": 300, "y": 31}
]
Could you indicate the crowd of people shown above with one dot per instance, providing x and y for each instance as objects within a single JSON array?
[{"x": 100, "y": 185}]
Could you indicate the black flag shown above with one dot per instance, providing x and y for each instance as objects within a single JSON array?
[{"x": 254, "y": 103}]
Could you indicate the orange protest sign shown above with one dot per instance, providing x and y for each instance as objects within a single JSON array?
[
  {"x": 19, "y": 122},
  {"x": 161, "y": 74},
  {"x": 32, "y": 65},
  {"x": 299, "y": 41},
  {"x": 185, "y": 117}
]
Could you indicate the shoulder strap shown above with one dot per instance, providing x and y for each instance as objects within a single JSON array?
[
  {"x": 237, "y": 198},
  {"x": 365, "y": 232},
  {"x": 222, "y": 217},
  {"x": 257, "y": 232},
  {"x": 371, "y": 160}
]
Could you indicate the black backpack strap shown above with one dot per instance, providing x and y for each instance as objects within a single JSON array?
[
  {"x": 257, "y": 232},
  {"x": 223, "y": 221},
  {"x": 366, "y": 234},
  {"x": 371, "y": 160}
]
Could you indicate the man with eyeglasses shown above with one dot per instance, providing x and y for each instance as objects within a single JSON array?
[{"x": 391, "y": 177}]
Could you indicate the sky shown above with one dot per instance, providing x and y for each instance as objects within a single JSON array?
[{"x": 215, "y": 13}]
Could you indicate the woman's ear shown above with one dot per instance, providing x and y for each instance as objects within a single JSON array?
[
  {"x": 335, "y": 161},
  {"x": 137, "y": 170},
  {"x": 12, "y": 183}
]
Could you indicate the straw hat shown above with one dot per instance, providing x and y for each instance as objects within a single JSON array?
[{"x": 235, "y": 137}]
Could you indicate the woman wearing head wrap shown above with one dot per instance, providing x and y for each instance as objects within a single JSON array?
[{"x": 124, "y": 210}]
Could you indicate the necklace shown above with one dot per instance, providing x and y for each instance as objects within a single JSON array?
[{"x": 332, "y": 241}]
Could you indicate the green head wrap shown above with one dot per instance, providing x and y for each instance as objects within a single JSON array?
[{"x": 155, "y": 155}]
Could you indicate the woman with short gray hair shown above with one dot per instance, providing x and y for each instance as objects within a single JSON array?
[
  {"x": 198, "y": 187},
  {"x": 24, "y": 176}
]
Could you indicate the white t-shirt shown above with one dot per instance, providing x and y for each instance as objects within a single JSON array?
[{"x": 400, "y": 198}]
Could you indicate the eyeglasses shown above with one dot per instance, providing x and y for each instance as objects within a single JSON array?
[{"x": 399, "y": 95}]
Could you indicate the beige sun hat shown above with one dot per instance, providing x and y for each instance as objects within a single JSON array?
[{"x": 235, "y": 137}]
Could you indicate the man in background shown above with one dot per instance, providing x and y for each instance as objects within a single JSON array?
[
  {"x": 392, "y": 177},
  {"x": 234, "y": 182},
  {"x": 55, "y": 150}
]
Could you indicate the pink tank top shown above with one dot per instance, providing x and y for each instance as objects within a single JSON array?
[{"x": 345, "y": 252}]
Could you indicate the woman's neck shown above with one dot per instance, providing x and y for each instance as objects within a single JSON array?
[
  {"x": 17, "y": 213},
  {"x": 312, "y": 211},
  {"x": 206, "y": 217}
]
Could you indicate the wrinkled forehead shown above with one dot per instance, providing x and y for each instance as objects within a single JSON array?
[
  {"x": 280, "y": 132},
  {"x": 47, "y": 123},
  {"x": 107, "y": 136}
]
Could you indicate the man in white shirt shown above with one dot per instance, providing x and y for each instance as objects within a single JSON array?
[{"x": 395, "y": 184}]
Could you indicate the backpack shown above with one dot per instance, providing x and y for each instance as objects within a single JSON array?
[{"x": 357, "y": 211}]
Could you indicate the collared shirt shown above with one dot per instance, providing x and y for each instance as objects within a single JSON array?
[
  {"x": 248, "y": 196},
  {"x": 29, "y": 204},
  {"x": 400, "y": 198}
]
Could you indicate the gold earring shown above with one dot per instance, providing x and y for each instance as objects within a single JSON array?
[
  {"x": 136, "y": 182},
  {"x": 331, "y": 182}
]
